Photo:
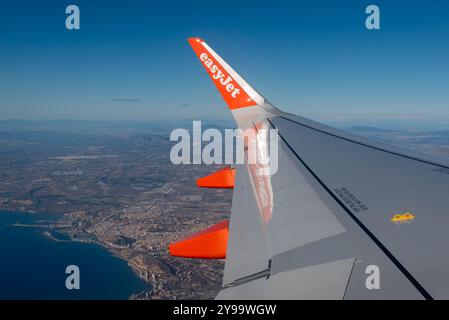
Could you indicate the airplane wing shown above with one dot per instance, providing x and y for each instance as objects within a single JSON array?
[{"x": 341, "y": 217}]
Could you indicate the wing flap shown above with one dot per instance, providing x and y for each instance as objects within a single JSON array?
[{"x": 325, "y": 281}]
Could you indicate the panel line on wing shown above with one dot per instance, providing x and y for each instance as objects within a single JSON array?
[{"x": 258, "y": 275}]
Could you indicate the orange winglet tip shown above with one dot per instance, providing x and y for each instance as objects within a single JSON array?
[
  {"x": 232, "y": 92},
  {"x": 210, "y": 243},
  {"x": 223, "y": 178}
]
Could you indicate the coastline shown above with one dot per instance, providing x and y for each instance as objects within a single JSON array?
[{"x": 51, "y": 229}]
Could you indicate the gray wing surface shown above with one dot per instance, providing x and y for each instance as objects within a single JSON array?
[
  {"x": 334, "y": 196},
  {"x": 341, "y": 218}
]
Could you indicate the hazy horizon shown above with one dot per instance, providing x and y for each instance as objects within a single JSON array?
[{"x": 393, "y": 124}]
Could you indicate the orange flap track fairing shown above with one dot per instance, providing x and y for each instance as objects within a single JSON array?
[
  {"x": 210, "y": 243},
  {"x": 223, "y": 178}
]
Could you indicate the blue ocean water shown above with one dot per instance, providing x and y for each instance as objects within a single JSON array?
[{"x": 32, "y": 266}]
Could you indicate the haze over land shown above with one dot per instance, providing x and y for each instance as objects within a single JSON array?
[{"x": 114, "y": 184}]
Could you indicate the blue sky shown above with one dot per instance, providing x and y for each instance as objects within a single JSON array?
[{"x": 131, "y": 60}]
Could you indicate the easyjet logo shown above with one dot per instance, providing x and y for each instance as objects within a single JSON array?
[{"x": 220, "y": 76}]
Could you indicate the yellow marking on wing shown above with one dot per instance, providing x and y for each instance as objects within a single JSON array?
[{"x": 406, "y": 217}]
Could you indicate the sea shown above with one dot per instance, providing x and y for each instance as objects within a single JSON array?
[{"x": 33, "y": 264}]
